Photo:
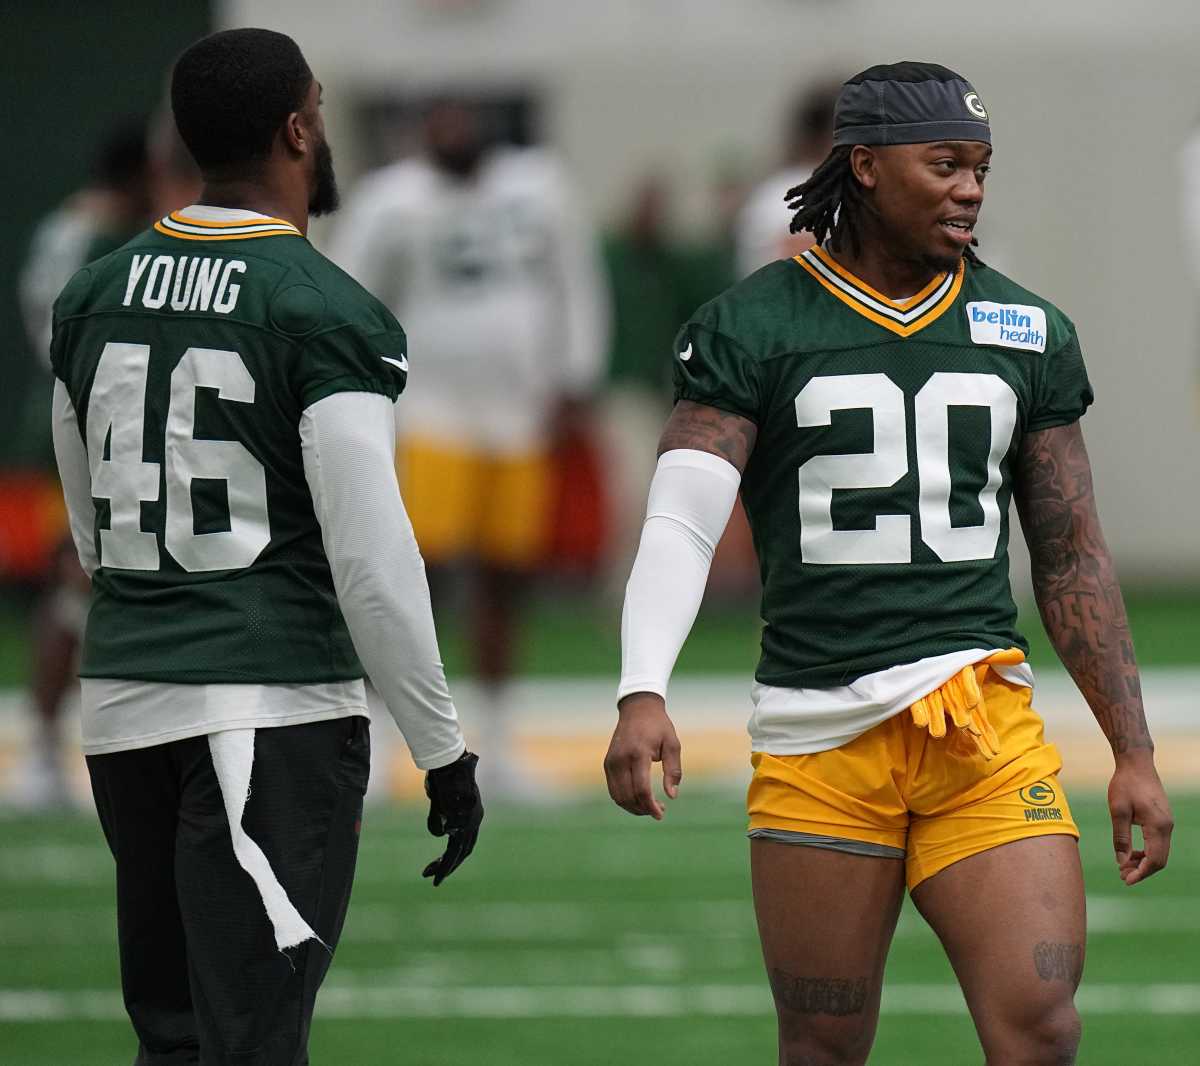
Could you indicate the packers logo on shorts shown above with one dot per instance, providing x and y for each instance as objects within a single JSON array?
[
  {"x": 1039, "y": 794},
  {"x": 1038, "y": 798}
]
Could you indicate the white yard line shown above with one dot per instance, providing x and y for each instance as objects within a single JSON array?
[
  {"x": 591, "y": 1001},
  {"x": 565, "y": 922}
]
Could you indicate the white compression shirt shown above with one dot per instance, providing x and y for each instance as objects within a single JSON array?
[
  {"x": 691, "y": 497},
  {"x": 347, "y": 441}
]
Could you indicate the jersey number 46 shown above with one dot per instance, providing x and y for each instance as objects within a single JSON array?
[{"x": 115, "y": 430}]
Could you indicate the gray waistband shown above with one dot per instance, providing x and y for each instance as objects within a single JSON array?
[{"x": 812, "y": 840}]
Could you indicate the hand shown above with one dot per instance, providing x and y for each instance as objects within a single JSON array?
[
  {"x": 1136, "y": 797},
  {"x": 455, "y": 809},
  {"x": 644, "y": 734}
]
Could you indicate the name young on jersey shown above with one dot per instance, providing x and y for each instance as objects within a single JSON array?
[{"x": 184, "y": 282}]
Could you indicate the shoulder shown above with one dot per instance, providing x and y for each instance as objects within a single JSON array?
[
  {"x": 992, "y": 297},
  {"x": 759, "y": 314},
  {"x": 317, "y": 295},
  {"x": 535, "y": 172},
  {"x": 409, "y": 182},
  {"x": 101, "y": 281}
]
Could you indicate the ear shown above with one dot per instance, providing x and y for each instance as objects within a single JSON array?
[
  {"x": 295, "y": 134},
  {"x": 864, "y": 165}
]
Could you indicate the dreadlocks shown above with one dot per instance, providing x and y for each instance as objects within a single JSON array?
[{"x": 832, "y": 203}]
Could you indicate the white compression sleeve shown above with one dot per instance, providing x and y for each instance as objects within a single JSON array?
[
  {"x": 73, "y": 472},
  {"x": 348, "y": 442},
  {"x": 691, "y": 498}
]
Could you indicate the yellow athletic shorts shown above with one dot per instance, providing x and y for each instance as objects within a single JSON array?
[
  {"x": 929, "y": 801},
  {"x": 473, "y": 504}
]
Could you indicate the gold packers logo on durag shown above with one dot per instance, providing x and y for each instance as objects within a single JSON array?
[{"x": 975, "y": 105}]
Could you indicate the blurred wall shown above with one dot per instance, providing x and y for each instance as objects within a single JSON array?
[
  {"x": 69, "y": 71},
  {"x": 1089, "y": 100}
]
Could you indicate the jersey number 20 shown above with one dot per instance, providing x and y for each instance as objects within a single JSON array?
[
  {"x": 116, "y": 417},
  {"x": 891, "y": 541}
]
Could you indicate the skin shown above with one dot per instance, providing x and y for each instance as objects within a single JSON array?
[
  {"x": 1075, "y": 583},
  {"x": 1011, "y": 918},
  {"x": 912, "y": 189},
  {"x": 284, "y": 184}
]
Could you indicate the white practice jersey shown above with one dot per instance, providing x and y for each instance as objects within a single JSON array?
[
  {"x": 762, "y": 234},
  {"x": 58, "y": 249},
  {"x": 497, "y": 282}
]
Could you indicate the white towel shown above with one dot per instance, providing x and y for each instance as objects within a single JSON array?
[{"x": 233, "y": 758}]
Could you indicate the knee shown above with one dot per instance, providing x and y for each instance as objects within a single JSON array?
[
  {"x": 1051, "y": 1038},
  {"x": 816, "y": 1042}
]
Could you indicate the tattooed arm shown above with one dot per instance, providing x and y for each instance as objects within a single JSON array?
[
  {"x": 702, "y": 454},
  {"x": 1083, "y": 611},
  {"x": 708, "y": 429}
]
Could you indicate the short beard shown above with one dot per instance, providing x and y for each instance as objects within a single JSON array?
[
  {"x": 942, "y": 264},
  {"x": 325, "y": 197}
]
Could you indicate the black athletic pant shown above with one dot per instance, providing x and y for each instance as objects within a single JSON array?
[{"x": 202, "y": 978}]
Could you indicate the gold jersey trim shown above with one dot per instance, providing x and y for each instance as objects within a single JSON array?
[
  {"x": 902, "y": 317},
  {"x": 177, "y": 224}
]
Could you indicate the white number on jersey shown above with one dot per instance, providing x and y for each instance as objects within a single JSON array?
[
  {"x": 117, "y": 415},
  {"x": 889, "y": 541},
  {"x": 117, "y": 418}
]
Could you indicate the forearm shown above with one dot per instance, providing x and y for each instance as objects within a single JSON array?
[
  {"x": 1084, "y": 616},
  {"x": 691, "y": 497},
  {"x": 1076, "y": 586},
  {"x": 377, "y": 569}
]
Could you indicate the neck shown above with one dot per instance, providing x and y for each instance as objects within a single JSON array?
[
  {"x": 896, "y": 276},
  {"x": 264, "y": 195}
]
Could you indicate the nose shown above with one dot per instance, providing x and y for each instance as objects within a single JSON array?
[{"x": 968, "y": 189}]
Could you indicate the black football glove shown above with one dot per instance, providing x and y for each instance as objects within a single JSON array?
[{"x": 455, "y": 809}]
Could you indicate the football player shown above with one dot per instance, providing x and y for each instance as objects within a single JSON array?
[
  {"x": 878, "y": 400},
  {"x": 485, "y": 254},
  {"x": 223, "y": 425},
  {"x": 111, "y": 209}
]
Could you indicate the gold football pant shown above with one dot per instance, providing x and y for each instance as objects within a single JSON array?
[{"x": 465, "y": 503}]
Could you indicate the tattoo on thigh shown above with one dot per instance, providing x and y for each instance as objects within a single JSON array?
[
  {"x": 837, "y": 996},
  {"x": 1059, "y": 962}
]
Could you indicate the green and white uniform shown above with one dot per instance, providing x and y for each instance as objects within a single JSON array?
[
  {"x": 879, "y": 486},
  {"x": 223, "y": 422}
]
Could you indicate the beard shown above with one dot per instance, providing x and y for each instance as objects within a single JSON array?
[
  {"x": 325, "y": 197},
  {"x": 942, "y": 264},
  {"x": 459, "y": 161}
]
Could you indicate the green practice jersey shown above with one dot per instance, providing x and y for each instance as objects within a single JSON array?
[
  {"x": 879, "y": 486},
  {"x": 189, "y": 356}
]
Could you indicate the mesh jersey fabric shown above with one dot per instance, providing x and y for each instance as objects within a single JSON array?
[
  {"x": 233, "y": 337},
  {"x": 879, "y": 486}
]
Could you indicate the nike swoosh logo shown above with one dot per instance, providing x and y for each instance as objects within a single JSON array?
[
  {"x": 402, "y": 362},
  {"x": 686, "y": 354}
]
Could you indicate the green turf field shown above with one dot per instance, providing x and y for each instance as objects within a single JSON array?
[{"x": 580, "y": 936}]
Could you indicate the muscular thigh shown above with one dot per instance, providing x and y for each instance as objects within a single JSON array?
[
  {"x": 826, "y": 920},
  {"x": 1013, "y": 924}
]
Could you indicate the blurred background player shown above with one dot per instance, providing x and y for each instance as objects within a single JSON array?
[
  {"x": 648, "y": 276},
  {"x": 97, "y": 219},
  {"x": 762, "y": 226},
  {"x": 485, "y": 254}
]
